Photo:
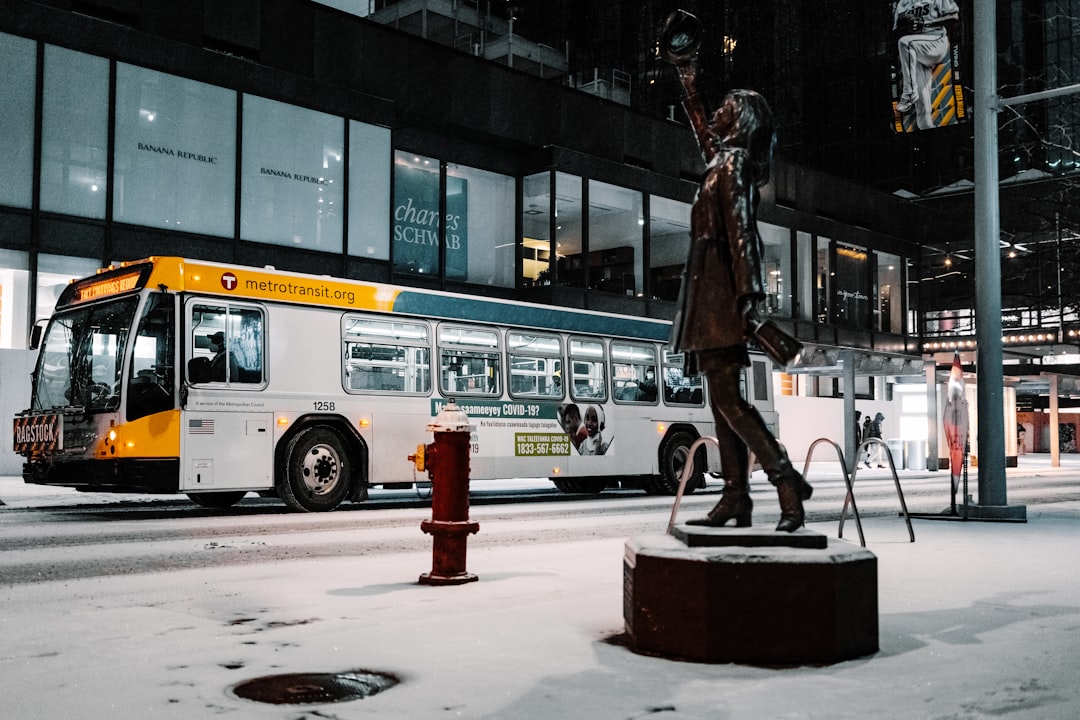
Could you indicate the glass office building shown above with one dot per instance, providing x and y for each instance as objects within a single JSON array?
[{"x": 318, "y": 141}]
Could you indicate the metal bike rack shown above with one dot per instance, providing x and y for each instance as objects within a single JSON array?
[
  {"x": 688, "y": 470},
  {"x": 851, "y": 482},
  {"x": 848, "y": 480}
]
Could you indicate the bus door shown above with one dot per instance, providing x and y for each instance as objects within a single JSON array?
[
  {"x": 227, "y": 430},
  {"x": 588, "y": 387}
]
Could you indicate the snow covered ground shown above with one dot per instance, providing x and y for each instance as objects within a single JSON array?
[{"x": 977, "y": 620}]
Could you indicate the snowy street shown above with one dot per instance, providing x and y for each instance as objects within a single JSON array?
[{"x": 134, "y": 607}]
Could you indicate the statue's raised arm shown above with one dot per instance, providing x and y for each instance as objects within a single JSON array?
[{"x": 678, "y": 43}]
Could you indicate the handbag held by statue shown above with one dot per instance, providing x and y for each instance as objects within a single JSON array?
[{"x": 777, "y": 344}]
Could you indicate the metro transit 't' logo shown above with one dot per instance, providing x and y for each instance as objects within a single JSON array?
[{"x": 228, "y": 281}]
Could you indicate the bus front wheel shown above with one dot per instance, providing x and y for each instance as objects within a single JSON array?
[{"x": 317, "y": 471}]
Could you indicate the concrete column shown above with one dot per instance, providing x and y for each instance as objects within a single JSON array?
[
  {"x": 933, "y": 462},
  {"x": 847, "y": 359},
  {"x": 1055, "y": 426}
]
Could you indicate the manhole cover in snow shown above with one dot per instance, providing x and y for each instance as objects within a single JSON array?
[{"x": 312, "y": 688}]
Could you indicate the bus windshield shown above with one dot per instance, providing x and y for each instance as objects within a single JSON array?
[{"x": 82, "y": 357}]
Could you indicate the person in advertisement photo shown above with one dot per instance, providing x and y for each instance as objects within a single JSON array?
[
  {"x": 571, "y": 422},
  {"x": 595, "y": 425},
  {"x": 923, "y": 45}
]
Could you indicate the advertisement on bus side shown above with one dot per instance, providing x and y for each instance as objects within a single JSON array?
[{"x": 522, "y": 428}]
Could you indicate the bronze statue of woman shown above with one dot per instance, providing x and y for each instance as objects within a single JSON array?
[{"x": 723, "y": 282}]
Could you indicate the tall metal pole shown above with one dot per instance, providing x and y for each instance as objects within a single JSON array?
[{"x": 991, "y": 440}]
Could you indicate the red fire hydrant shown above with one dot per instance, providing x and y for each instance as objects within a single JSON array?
[{"x": 447, "y": 463}]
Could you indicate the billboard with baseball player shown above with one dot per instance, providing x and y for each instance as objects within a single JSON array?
[{"x": 926, "y": 85}]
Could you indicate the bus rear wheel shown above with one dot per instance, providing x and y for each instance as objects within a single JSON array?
[
  {"x": 217, "y": 500},
  {"x": 674, "y": 455},
  {"x": 317, "y": 471}
]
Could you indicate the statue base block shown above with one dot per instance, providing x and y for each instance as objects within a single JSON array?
[{"x": 750, "y": 596}]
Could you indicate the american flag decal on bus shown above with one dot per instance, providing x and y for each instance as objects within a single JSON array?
[{"x": 200, "y": 427}]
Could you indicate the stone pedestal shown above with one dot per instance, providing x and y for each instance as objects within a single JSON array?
[{"x": 750, "y": 596}]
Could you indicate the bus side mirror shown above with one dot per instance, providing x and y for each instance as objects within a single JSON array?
[
  {"x": 198, "y": 370},
  {"x": 35, "y": 336}
]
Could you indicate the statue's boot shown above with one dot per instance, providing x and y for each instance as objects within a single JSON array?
[
  {"x": 791, "y": 488},
  {"x": 735, "y": 503}
]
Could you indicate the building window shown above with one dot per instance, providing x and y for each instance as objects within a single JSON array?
[
  {"x": 369, "y": 191},
  {"x": 416, "y": 218},
  {"x": 669, "y": 244},
  {"x": 616, "y": 229},
  {"x": 778, "y": 276},
  {"x": 175, "y": 153},
  {"x": 888, "y": 308},
  {"x": 568, "y": 230},
  {"x": 480, "y": 208},
  {"x": 14, "y": 298},
  {"x": 54, "y": 273},
  {"x": 293, "y": 174},
  {"x": 823, "y": 282},
  {"x": 804, "y": 248},
  {"x": 18, "y": 67},
  {"x": 851, "y": 283},
  {"x": 74, "y": 133},
  {"x": 536, "y": 231}
]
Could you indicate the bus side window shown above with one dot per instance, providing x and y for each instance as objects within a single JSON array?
[
  {"x": 535, "y": 365},
  {"x": 151, "y": 384},
  {"x": 391, "y": 356},
  {"x": 469, "y": 361},
  {"x": 633, "y": 370},
  {"x": 588, "y": 379},
  {"x": 679, "y": 388},
  {"x": 226, "y": 344}
]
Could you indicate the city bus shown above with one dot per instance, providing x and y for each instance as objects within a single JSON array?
[{"x": 170, "y": 375}]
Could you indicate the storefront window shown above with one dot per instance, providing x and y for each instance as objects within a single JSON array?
[
  {"x": 888, "y": 308},
  {"x": 54, "y": 274},
  {"x": 293, "y": 174},
  {"x": 416, "y": 218},
  {"x": 911, "y": 293},
  {"x": 669, "y": 244},
  {"x": 369, "y": 191},
  {"x": 14, "y": 297},
  {"x": 616, "y": 228},
  {"x": 74, "y": 133},
  {"x": 804, "y": 248},
  {"x": 823, "y": 282},
  {"x": 851, "y": 294},
  {"x": 480, "y": 224},
  {"x": 18, "y": 68},
  {"x": 777, "y": 241},
  {"x": 536, "y": 230},
  {"x": 175, "y": 152}
]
